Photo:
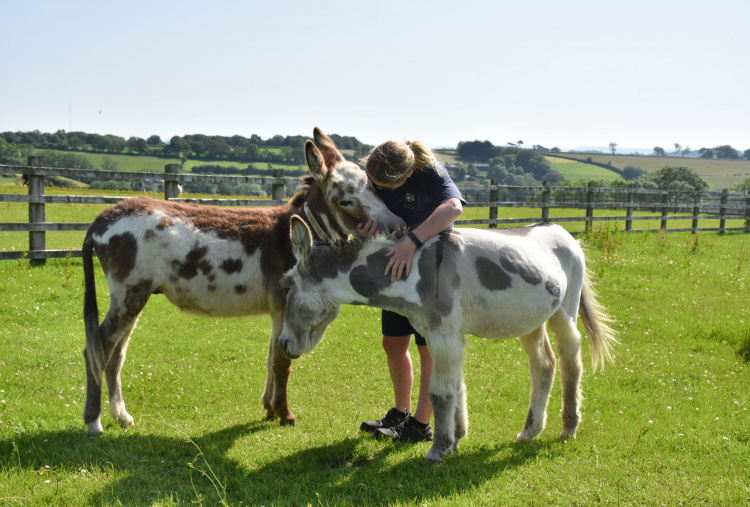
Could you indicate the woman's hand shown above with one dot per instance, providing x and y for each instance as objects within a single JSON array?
[
  {"x": 367, "y": 230},
  {"x": 401, "y": 256}
]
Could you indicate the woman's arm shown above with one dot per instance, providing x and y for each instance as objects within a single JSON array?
[{"x": 401, "y": 255}]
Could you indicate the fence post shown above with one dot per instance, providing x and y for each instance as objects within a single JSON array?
[
  {"x": 747, "y": 213},
  {"x": 277, "y": 189},
  {"x": 723, "y": 211},
  {"x": 493, "y": 209},
  {"x": 545, "y": 202},
  {"x": 629, "y": 213},
  {"x": 590, "y": 208},
  {"x": 664, "y": 211},
  {"x": 171, "y": 186},
  {"x": 696, "y": 211},
  {"x": 37, "y": 240}
]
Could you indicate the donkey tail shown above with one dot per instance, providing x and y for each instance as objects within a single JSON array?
[
  {"x": 597, "y": 323},
  {"x": 94, "y": 348}
]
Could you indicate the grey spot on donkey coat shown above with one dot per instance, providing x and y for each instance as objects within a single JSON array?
[
  {"x": 491, "y": 275},
  {"x": 437, "y": 279}
]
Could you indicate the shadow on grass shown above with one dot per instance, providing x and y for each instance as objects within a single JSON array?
[
  {"x": 744, "y": 350},
  {"x": 174, "y": 469}
]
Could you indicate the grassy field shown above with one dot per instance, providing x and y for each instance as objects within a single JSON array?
[
  {"x": 667, "y": 424},
  {"x": 573, "y": 170},
  {"x": 132, "y": 163},
  {"x": 719, "y": 174}
]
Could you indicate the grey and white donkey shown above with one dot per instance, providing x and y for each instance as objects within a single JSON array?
[
  {"x": 220, "y": 262},
  {"x": 492, "y": 283}
]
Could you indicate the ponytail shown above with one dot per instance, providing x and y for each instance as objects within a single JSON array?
[
  {"x": 424, "y": 157},
  {"x": 391, "y": 161}
]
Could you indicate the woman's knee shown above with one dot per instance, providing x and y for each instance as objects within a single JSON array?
[{"x": 396, "y": 345}]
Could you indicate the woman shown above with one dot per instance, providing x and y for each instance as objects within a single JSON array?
[{"x": 416, "y": 187}]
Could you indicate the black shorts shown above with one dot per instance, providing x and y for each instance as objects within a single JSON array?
[{"x": 393, "y": 324}]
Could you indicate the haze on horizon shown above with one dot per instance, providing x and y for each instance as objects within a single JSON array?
[{"x": 582, "y": 73}]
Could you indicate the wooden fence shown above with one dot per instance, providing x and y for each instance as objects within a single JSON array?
[{"x": 662, "y": 205}]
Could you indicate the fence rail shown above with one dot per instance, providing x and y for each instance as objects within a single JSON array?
[{"x": 670, "y": 205}]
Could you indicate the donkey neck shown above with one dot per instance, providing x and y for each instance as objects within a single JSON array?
[
  {"x": 313, "y": 222},
  {"x": 318, "y": 215}
]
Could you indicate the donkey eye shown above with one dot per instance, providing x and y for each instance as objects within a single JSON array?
[
  {"x": 286, "y": 289},
  {"x": 346, "y": 204}
]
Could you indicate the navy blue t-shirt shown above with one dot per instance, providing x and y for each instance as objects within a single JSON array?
[{"x": 421, "y": 193}]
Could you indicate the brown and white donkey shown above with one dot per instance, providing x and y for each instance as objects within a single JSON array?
[{"x": 219, "y": 262}]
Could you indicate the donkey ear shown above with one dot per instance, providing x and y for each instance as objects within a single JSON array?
[
  {"x": 315, "y": 161},
  {"x": 301, "y": 239},
  {"x": 331, "y": 154}
]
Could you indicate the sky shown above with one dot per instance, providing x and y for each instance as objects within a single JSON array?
[{"x": 641, "y": 73}]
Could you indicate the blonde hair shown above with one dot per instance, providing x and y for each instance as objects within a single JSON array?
[{"x": 392, "y": 161}]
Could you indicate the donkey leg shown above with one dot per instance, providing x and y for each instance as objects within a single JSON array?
[
  {"x": 461, "y": 415},
  {"x": 542, "y": 369},
  {"x": 568, "y": 340},
  {"x": 133, "y": 300},
  {"x": 279, "y": 366},
  {"x": 114, "y": 328},
  {"x": 92, "y": 410},
  {"x": 445, "y": 382},
  {"x": 268, "y": 391},
  {"x": 114, "y": 383}
]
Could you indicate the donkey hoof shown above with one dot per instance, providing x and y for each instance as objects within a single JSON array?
[
  {"x": 126, "y": 420},
  {"x": 568, "y": 434},
  {"x": 434, "y": 455},
  {"x": 524, "y": 437},
  {"x": 95, "y": 428},
  {"x": 289, "y": 421}
]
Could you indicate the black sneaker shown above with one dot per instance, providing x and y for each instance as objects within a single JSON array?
[
  {"x": 410, "y": 430},
  {"x": 391, "y": 419}
]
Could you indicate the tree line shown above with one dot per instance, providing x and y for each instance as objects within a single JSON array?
[
  {"x": 722, "y": 152},
  {"x": 276, "y": 149},
  {"x": 510, "y": 165}
]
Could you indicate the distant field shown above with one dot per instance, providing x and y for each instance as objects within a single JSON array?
[
  {"x": 447, "y": 156},
  {"x": 719, "y": 174},
  {"x": 573, "y": 170},
  {"x": 132, "y": 163}
]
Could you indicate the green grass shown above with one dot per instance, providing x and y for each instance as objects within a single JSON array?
[
  {"x": 145, "y": 163},
  {"x": 129, "y": 163},
  {"x": 667, "y": 424},
  {"x": 574, "y": 171},
  {"x": 719, "y": 174}
]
